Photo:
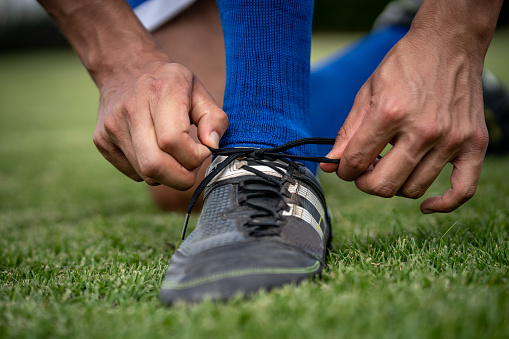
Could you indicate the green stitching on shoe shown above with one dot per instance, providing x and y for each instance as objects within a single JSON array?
[
  {"x": 320, "y": 221},
  {"x": 238, "y": 273}
]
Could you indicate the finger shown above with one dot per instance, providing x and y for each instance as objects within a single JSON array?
[
  {"x": 211, "y": 120},
  {"x": 352, "y": 123},
  {"x": 127, "y": 148},
  {"x": 115, "y": 156},
  {"x": 391, "y": 172},
  {"x": 364, "y": 146},
  {"x": 119, "y": 137},
  {"x": 464, "y": 178},
  {"x": 151, "y": 163},
  {"x": 170, "y": 115},
  {"x": 423, "y": 175}
]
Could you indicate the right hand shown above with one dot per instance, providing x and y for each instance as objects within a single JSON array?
[
  {"x": 145, "y": 115},
  {"x": 428, "y": 105}
]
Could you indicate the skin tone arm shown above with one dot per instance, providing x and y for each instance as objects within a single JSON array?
[
  {"x": 425, "y": 99},
  {"x": 147, "y": 101}
]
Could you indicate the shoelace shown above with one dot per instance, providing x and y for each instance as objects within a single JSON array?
[{"x": 258, "y": 154}]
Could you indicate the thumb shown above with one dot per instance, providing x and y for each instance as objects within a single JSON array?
[
  {"x": 351, "y": 124},
  {"x": 211, "y": 120},
  {"x": 342, "y": 139}
]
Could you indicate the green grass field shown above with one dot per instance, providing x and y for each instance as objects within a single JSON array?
[{"x": 83, "y": 249}]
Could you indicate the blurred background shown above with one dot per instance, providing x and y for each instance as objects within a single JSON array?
[{"x": 25, "y": 25}]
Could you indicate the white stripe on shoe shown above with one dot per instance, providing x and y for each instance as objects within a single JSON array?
[{"x": 302, "y": 213}]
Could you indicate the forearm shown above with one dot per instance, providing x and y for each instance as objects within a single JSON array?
[
  {"x": 106, "y": 35},
  {"x": 463, "y": 25}
]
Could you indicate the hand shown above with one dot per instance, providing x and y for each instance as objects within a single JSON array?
[
  {"x": 425, "y": 99},
  {"x": 145, "y": 115}
]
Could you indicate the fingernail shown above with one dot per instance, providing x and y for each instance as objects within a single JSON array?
[
  {"x": 332, "y": 155},
  {"x": 428, "y": 211},
  {"x": 214, "y": 137}
]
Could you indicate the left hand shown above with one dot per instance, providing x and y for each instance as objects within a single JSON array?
[{"x": 425, "y": 99}]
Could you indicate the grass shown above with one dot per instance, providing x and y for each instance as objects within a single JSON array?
[{"x": 83, "y": 249}]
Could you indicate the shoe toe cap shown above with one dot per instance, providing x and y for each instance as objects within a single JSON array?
[{"x": 223, "y": 272}]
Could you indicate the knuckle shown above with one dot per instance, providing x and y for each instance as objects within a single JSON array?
[
  {"x": 393, "y": 112},
  {"x": 481, "y": 138},
  {"x": 194, "y": 162},
  {"x": 194, "y": 159},
  {"x": 477, "y": 139},
  {"x": 212, "y": 116},
  {"x": 156, "y": 86},
  {"x": 223, "y": 118},
  {"x": 99, "y": 140},
  {"x": 455, "y": 139},
  {"x": 184, "y": 181},
  {"x": 460, "y": 199},
  {"x": 430, "y": 132},
  {"x": 127, "y": 109},
  {"x": 110, "y": 125},
  {"x": 357, "y": 161},
  {"x": 150, "y": 168},
  {"x": 182, "y": 100},
  {"x": 181, "y": 74},
  {"x": 151, "y": 182},
  {"x": 448, "y": 208},
  {"x": 167, "y": 142},
  {"x": 468, "y": 193},
  {"x": 412, "y": 192},
  {"x": 384, "y": 189},
  {"x": 343, "y": 132},
  {"x": 187, "y": 183}
]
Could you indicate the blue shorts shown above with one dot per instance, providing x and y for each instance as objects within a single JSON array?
[{"x": 155, "y": 13}]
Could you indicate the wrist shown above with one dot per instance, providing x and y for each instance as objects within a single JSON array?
[
  {"x": 461, "y": 26},
  {"x": 107, "y": 36},
  {"x": 129, "y": 61},
  {"x": 115, "y": 43}
]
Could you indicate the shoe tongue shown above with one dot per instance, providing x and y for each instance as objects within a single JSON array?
[
  {"x": 235, "y": 169},
  {"x": 270, "y": 197}
]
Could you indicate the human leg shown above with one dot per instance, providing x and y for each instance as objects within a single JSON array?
[
  {"x": 267, "y": 55},
  {"x": 264, "y": 220},
  {"x": 194, "y": 39}
]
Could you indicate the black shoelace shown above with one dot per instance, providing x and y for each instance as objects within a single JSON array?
[{"x": 258, "y": 225}]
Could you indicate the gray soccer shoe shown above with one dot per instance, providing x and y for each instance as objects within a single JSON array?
[{"x": 264, "y": 224}]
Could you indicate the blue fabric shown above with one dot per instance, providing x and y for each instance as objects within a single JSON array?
[
  {"x": 336, "y": 80},
  {"x": 268, "y": 45},
  {"x": 267, "y": 89},
  {"x": 135, "y": 3}
]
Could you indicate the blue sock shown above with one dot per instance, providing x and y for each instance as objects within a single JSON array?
[
  {"x": 336, "y": 80},
  {"x": 268, "y": 45}
]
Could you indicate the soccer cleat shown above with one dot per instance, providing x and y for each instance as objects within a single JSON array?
[{"x": 264, "y": 224}]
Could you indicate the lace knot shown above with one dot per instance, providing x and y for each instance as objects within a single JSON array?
[{"x": 259, "y": 153}]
